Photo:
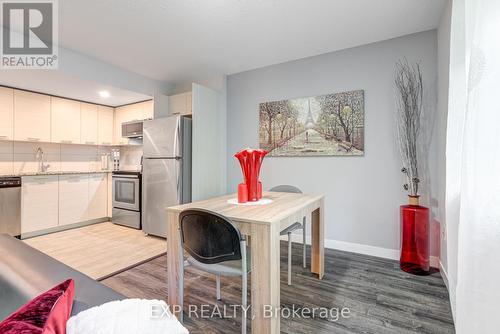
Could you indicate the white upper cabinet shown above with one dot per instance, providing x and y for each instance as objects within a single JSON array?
[
  {"x": 105, "y": 125},
  {"x": 89, "y": 123},
  {"x": 6, "y": 113},
  {"x": 180, "y": 104},
  {"x": 142, "y": 110},
  {"x": 131, "y": 112},
  {"x": 65, "y": 121},
  {"x": 32, "y": 116},
  {"x": 122, "y": 115}
]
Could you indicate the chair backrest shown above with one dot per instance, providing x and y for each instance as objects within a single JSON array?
[
  {"x": 285, "y": 188},
  {"x": 209, "y": 237}
]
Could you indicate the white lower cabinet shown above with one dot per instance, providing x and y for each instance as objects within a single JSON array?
[
  {"x": 97, "y": 196},
  {"x": 40, "y": 201},
  {"x": 73, "y": 198},
  {"x": 52, "y": 201}
]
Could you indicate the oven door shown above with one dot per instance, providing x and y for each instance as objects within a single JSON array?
[{"x": 126, "y": 192}]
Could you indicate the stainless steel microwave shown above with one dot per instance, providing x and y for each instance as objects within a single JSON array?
[{"x": 132, "y": 129}]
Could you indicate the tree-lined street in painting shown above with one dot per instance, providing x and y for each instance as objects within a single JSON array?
[
  {"x": 312, "y": 143},
  {"x": 325, "y": 125}
]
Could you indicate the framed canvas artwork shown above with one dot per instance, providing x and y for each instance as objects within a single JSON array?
[{"x": 325, "y": 125}]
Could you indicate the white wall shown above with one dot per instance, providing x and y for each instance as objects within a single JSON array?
[
  {"x": 363, "y": 194},
  {"x": 454, "y": 138},
  {"x": 208, "y": 163},
  {"x": 444, "y": 42},
  {"x": 219, "y": 84},
  {"x": 76, "y": 64}
]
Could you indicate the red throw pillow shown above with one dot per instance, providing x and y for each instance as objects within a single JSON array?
[{"x": 46, "y": 314}]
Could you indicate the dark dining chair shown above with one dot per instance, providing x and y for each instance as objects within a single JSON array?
[
  {"x": 290, "y": 229},
  {"x": 215, "y": 246}
]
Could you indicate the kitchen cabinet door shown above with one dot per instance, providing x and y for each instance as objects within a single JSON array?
[
  {"x": 189, "y": 103},
  {"x": 147, "y": 109},
  {"x": 65, "y": 116},
  {"x": 89, "y": 123},
  {"x": 6, "y": 113},
  {"x": 105, "y": 125},
  {"x": 39, "y": 203},
  {"x": 73, "y": 198},
  {"x": 140, "y": 111},
  {"x": 180, "y": 104},
  {"x": 97, "y": 196},
  {"x": 176, "y": 104},
  {"x": 122, "y": 115},
  {"x": 31, "y": 116}
]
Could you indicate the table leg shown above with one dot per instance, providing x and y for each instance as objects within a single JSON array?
[
  {"x": 173, "y": 259},
  {"x": 265, "y": 246},
  {"x": 317, "y": 241}
]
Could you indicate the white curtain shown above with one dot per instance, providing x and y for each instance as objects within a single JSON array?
[{"x": 478, "y": 270}]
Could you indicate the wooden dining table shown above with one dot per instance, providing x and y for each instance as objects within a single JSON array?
[{"x": 263, "y": 224}]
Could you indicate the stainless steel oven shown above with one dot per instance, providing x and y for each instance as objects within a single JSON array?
[{"x": 127, "y": 199}]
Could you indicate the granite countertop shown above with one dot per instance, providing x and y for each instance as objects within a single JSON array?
[{"x": 55, "y": 173}]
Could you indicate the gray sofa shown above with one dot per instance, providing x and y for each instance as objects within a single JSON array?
[{"x": 26, "y": 272}]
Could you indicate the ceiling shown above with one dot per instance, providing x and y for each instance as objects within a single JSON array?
[
  {"x": 180, "y": 41},
  {"x": 184, "y": 40},
  {"x": 59, "y": 84}
]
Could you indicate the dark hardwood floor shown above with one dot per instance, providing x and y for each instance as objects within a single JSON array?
[{"x": 380, "y": 297}]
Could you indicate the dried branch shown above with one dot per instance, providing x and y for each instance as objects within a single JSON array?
[{"x": 408, "y": 81}]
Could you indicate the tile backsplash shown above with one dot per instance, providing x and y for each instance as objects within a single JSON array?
[
  {"x": 20, "y": 157},
  {"x": 6, "y": 157},
  {"x": 130, "y": 157}
]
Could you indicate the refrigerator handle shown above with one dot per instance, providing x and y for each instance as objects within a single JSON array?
[
  {"x": 178, "y": 180},
  {"x": 177, "y": 139}
]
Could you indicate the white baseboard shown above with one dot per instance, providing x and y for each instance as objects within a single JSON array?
[
  {"x": 451, "y": 289},
  {"x": 444, "y": 275},
  {"x": 386, "y": 253},
  {"x": 352, "y": 247}
]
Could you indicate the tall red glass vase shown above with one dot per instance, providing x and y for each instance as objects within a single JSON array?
[
  {"x": 415, "y": 250},
  {"x": 250, "y": 162}
]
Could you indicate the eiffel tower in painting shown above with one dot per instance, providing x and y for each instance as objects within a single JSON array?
[{"x": 309, "y": 124}]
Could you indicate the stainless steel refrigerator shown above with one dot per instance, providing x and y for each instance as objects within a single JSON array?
[{"x": 166, "y": 170}]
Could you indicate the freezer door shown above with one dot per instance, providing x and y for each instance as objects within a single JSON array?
[
  {"x": 162, "y": 188},
  {"x": 162, "y": 138}
]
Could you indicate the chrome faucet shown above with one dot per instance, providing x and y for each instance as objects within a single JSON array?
[{"x": 42, "y": 167}]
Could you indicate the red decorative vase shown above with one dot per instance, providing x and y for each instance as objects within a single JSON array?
[
  {"x": 415, "y": 250},
  {"x": 242, "y": 193},
  {"x": 259, "y": 189},
  {"x": 250, "y": 162}
]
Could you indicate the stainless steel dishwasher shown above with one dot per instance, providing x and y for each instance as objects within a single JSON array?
[{"x": 10, "y": 205}]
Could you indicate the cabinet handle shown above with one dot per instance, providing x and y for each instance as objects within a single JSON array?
[
  {"x": 106, "y": 143},
  {"x": 33, "y": 139},
  {"x": 4, "y": 137},
  {"x": 90, "y": 142},
  {"x": 66, "y": 141}
]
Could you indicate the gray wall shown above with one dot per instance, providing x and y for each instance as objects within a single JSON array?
[{"x": 362, "y": 193}]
